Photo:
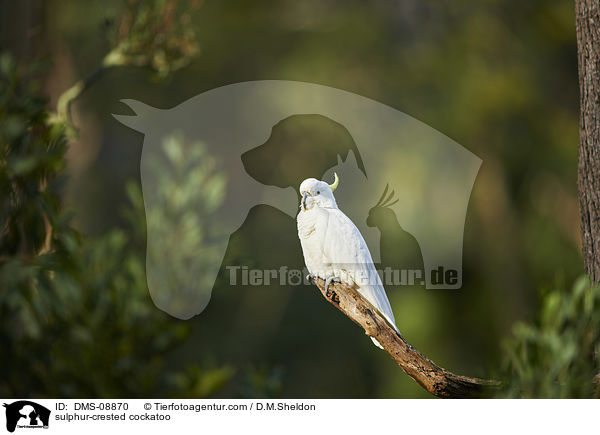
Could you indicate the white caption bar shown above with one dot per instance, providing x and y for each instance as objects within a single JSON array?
[{"x": 23, "y": 416}]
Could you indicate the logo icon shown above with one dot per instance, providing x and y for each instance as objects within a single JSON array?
[{"x": 26, "y": 414}]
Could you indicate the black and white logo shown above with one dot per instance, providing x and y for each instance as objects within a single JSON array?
[{"x": 26, "y": 414}]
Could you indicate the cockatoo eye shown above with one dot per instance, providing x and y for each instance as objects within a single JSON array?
[{"x": 318, "y": 193}]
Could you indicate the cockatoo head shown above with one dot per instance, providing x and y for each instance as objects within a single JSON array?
[{"x": 317, "y": 193}]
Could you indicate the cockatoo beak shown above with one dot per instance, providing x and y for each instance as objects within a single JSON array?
[{"x": 303, "y": 203}]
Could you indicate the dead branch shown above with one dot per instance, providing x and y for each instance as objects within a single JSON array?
[{"x": 435, "y": 379}]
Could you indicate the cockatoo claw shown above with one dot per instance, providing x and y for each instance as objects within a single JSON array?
[{"x": 329, "y": 281}]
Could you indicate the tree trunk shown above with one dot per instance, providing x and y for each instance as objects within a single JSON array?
[{"x": 587, "y": 16}]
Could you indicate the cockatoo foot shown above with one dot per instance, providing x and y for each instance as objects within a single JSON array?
[{"x": 329, "y": 281}]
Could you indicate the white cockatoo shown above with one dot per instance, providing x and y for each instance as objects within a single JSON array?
[{"x": 334, "y": 249}]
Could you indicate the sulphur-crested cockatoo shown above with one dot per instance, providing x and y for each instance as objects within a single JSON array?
[{"x": 334, "y": 249}]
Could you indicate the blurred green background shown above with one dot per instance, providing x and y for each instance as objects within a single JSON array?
[{"x": 497, "y": 76}]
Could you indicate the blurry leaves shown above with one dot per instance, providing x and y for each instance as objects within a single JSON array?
[
  {"x": 156, "y": 34},
  {"x": 262, "y": 382},
  {"x": 557, "y": 357},
  {"x": 197, "y": 383},
  {"x": 187, "y": 179},
  {"x": 76, "y": 319},
  {"x": 183, "y": 187},
  {"x": 31, "y": 156}
]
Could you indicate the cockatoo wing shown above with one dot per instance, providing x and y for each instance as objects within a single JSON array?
[{"x": 347, "y": 252}]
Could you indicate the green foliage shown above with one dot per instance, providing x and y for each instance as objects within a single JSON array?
[
  {"x": 31, "y": 156},
  {"x": 262, "y": 382},
  {"x": 75, "y": 316},
  {"x": 156, "y": 34},
  {"x": 195, "y": 382},
  {"x": 558, "y": 356},
  {"x": 184, "y": 187}
]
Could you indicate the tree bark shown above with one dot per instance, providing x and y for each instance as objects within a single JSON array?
[
  {"x": 430, "y": 376},
  {"x": 587, "y": 16}
]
